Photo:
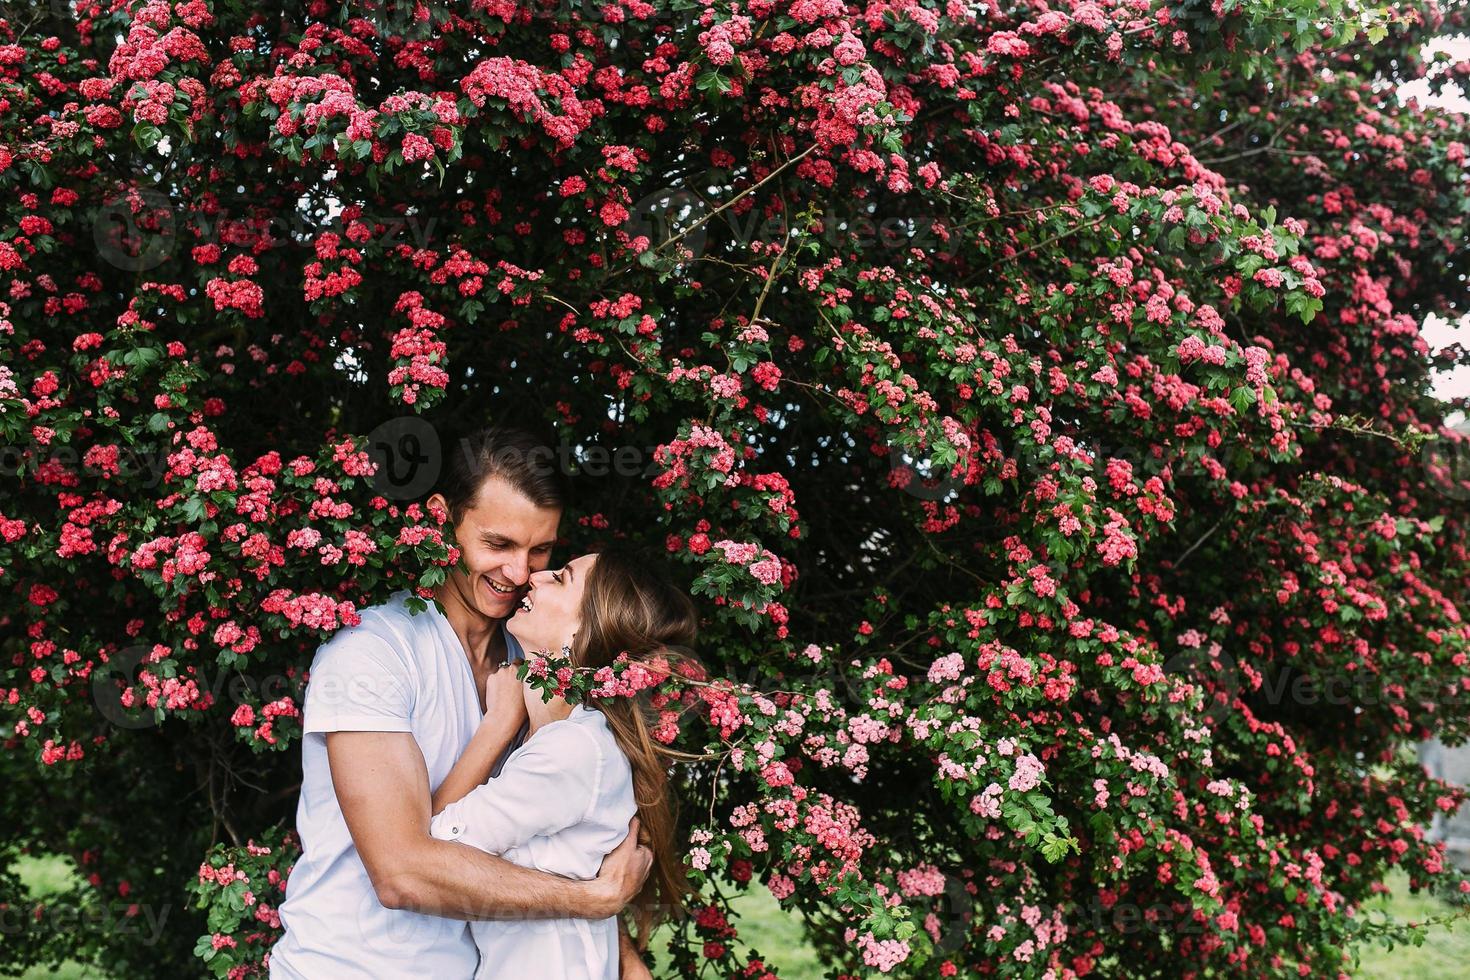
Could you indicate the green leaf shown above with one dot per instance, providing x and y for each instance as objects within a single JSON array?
[{"x": 712, "y": 81}]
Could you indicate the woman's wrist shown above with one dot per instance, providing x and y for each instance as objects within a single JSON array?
[{"x": 499, "y": 723}]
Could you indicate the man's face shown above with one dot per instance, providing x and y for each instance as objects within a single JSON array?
[{"x": 504, "y": 537}]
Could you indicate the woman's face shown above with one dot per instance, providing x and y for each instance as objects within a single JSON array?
[{"x": 551, "y": 611}]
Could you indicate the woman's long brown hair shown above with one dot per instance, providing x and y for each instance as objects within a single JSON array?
[{"x": 627, "y": 606}]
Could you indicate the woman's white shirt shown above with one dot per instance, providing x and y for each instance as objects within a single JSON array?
[{"x": 562, "y": 801}]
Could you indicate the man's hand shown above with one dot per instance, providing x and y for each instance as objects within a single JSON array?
[{"x": 623, "y": 871}]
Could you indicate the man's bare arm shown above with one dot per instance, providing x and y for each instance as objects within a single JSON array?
[
  {"x": 382, "y": 786},
  {"x": 630, "y": 961}
]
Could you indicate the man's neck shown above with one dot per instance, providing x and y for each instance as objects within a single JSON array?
[{"x": 476, "y": 632}]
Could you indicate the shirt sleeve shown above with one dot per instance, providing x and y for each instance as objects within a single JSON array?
[
  {"x": 359, "y": 683},
  {"x": 549, "y": 784}
]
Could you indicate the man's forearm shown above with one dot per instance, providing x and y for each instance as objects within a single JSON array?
[{"x": 462, "y": 882}]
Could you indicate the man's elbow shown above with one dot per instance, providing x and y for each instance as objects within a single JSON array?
[
  {"x": 401, "y": 887},
  {"x": 405, "y": 892},
  {"x": 397, "y": 894}
]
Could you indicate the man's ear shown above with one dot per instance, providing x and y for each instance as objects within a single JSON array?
[{"x": 437, "y": 504}]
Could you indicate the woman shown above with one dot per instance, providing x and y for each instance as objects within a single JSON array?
[{"x": 563, "y": 799}]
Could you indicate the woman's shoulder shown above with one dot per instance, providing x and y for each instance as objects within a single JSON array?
[
  {"x": 572, "y": 734},
  {"x": 585, "y": 734},
  {"x": 612, "y": 757},
  {"x": 580, "y": 751}
]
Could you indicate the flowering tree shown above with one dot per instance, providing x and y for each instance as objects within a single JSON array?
[{"x": 1032, "y": 394}]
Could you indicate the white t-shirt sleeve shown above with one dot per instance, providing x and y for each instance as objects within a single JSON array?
[
  {"x": 549, "y": 784},
  {"x": 360, "y": 682}
]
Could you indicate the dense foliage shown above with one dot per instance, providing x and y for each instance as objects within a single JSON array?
[{"x": 1033, "y": 392}]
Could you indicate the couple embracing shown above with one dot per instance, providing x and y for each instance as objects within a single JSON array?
[{"x": 453, "y": 823}]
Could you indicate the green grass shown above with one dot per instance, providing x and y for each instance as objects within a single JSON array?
[
  {"x": 67, "y": 971},
  {"x": 764, "y": 926},
  {"x": 44, "y": 876},
  {"x": 1445, "y": 954}
]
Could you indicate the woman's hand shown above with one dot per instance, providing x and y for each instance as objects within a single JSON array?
[{"x": 504, "y": 697}]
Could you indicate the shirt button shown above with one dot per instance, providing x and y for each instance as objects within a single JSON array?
[{"x": 454, "y": 830}]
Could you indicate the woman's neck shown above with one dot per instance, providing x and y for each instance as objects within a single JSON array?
[{"x": 557, "y": 709}]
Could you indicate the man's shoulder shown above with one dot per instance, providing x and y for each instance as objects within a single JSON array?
[{"x": 390, "y": 625}]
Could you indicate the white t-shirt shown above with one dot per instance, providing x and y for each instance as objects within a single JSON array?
[
  {"x": 394, "y": 672},
  {"x": 562, "y": 800}
]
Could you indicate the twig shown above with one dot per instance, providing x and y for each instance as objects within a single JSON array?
[
  {"x": 749, "y": 190},
  {"x": 1201, "y": 541},
  {"x": 771, "y": 276},
  {"x": 557, "y": 299},
  {"x": 1070, "y": 231},
  {"x": 1250, "y": 153},
  {"x": 714, "y": 789}
]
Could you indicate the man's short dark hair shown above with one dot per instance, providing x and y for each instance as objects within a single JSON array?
[{"x": 514, "y": 455}]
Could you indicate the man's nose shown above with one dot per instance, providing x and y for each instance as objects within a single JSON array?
[{"x": 518, "y": 570}]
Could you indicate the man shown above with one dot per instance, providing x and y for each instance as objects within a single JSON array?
[{"x": 390, "y": 704}]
